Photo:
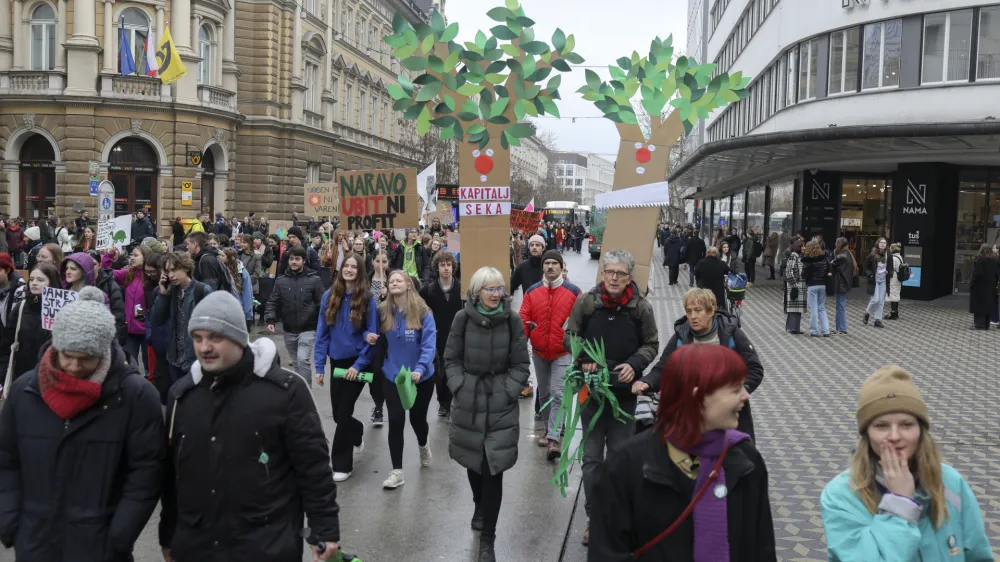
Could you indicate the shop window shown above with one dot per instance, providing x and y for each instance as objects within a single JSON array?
[
  {"x": 791, "y": 80},
  {"x": 780, "y": 219},
  {"x": 970, "y": 232},
  {"x": 755, "y": 211},
  {"x": 882, "y": 46},
  {"x": 947, "y": 47},
  {"x": 844, "y": 49},
  {"x": 988, "y": 58},
  {"x": 43, "y": 38}
]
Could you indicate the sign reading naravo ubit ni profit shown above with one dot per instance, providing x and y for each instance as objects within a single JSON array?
[
  {"x": 483, "y": 201},
  {"x": 378, "y": 199}
]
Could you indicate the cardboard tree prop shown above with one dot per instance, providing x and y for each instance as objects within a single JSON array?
[
  {"x": 641, "y": 169},
  {"x": 479, "y": 93}
]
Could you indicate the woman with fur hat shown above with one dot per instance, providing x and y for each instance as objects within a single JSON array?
[{"x": 899, "y": 501}]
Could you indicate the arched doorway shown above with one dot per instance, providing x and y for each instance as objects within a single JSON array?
[
  {"x": 38, "y": 178},
  {"x": 132, "y": 168},
  {"x": 208, "y": 183}
]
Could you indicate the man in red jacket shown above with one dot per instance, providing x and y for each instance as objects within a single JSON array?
[{"x": 545, "y": 309}]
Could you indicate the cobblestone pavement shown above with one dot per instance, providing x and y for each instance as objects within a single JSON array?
[{"x": 804, "y": 412}]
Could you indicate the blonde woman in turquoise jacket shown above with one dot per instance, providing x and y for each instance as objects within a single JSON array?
[{"x": 899, "y": 502}]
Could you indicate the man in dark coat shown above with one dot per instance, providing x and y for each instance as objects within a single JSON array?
[
  {"x": 694, "y": 251},
  {"x": 295, "y": 302},
  {"x": 81, "y": 446},
  {"x": 443, "y": 296},
  {"x": 247, "y": 460},
  {"x": 710, "y": 273},
  {"x": 672, "y": 254},
  {"x": 297, "y": 239},
  {"x": 142, "y": 228},
  {"x": 530, "y": 270},
  {"x": 207, "y": 267},
  {"x": 983, "y": 288}
]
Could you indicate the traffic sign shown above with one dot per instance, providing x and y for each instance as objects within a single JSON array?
[{"x": 105, "y": 201}]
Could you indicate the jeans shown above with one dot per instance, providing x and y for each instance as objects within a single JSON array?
[
  {"x": 397, "y": 417},
  {"x": 608, "y": 432},
  {"x": 691, "y": 276},
  {"x": 487, "y": 493},
  {"x": 877, "y": 302},
  {"x": 300, "y": 349},
  {"x": 818, "y": 321},
  {"x": 350, "y": 432},
  {"x": 841, "y": 312},
  {"x": 551, "y": 375}
]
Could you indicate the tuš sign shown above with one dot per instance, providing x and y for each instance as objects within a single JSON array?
[
  {"x": 524, "y": 221},
  {"x": 53, "y": 300},
  {"x": 322, "y": 200},
  {"x": 379, "y": 199}
]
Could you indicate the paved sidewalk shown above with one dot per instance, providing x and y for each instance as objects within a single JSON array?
[{"x": 804, "y": 412}]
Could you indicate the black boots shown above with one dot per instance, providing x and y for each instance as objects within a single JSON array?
[
  {"x": 486, "y": 553},
  {"x": 477, "y": 520},
  {"x": 894, "y": 311}
]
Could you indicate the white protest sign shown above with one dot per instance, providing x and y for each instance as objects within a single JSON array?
[
  {"x": 116, "y": 232},
  {"x": 53, "y": 300}
]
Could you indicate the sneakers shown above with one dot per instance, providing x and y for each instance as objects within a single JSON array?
[
  {"x": 527, "y": 392},
  {"x": 394, "y": 480},
  {"x": 477, "y": 519},
  {"x": 444, "y": 411},
  {"x": 425, "y": 457},
  {"x": 341, "y": 476},
  {"x": 586, "y": 534},
  {"x": 879, "y": 324},
  {"x": 554, "y": 450},
  {"x": 543, "y": 441},
  {"x": 377, "y": 420}
]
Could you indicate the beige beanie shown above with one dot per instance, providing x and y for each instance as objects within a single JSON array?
[{"x": 890, "y": 390}]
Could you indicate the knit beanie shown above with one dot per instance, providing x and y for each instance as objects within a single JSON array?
[
  {"x": 85, "y": 325},
  {"x": 554, "y": 255},
  {"x": 890, "y": 390},
  {"x": 220, "y": 313},
  {"x": 154, "y": 245},
  {"x": 537, "y": 238},
  {"x": 296, "y": 232},
  {"x": 34, "y": 234}
]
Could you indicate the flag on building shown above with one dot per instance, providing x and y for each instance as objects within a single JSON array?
[
  {"x": 531, "y": 206},
  {"x": 125, "y": 62},
  {"x": 150, "y": 65},
  {"x": 170, "y": 67}
]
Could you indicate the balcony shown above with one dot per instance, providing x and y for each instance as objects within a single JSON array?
[
  {"x": 135, "y": 88},
  {"x": 32, "y": 83},
  {"x": 218, "y": 98},
  {"x": 312, "y": 118}
]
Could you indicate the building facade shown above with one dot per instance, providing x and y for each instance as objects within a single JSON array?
[
  {"x": 600, "y": 178},
  {"x": 530, "y": 161},
  {"x": 277, "y": 94},
  {"x": 865, "y": 119},
  {"x": 586, "y": 173}
]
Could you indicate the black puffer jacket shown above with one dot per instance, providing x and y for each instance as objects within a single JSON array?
[
  {"x": 31, "y": 338},
  {"x": 672, "y": 250},
  {"x": 815, "y": 269},
  {"x": 106, "y": 283},
  {"x": 246, "y": 461},
  {"x": 295, "y": 301},
  {"x": 80, "y": 490},
  {"x": 208, "y": 269}
]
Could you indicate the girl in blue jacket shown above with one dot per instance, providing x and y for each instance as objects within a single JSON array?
[
  {"x": 899, "y": 502},
  {"x": 348, "y": 318},
  {"x": 411, "y": 341}
]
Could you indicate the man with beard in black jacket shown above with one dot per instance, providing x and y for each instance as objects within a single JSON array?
[
  {"x": 247, "y": 460},
  {"x": 443, "y": 296},
  {"x": 530, "y": 270},
  {"x": 298, "y": 240},
  {"x": 207, "y": 267},
  {"x": 295, "y": 301},
  {"x": 81, "y": 445}
]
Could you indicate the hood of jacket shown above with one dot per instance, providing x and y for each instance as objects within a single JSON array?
[
  {"x": 206, "y": 251},
  {"x": 265, "y": 354},
  {"x": 725, "y": 325},
  {"x": 85, "y": 262},
  {"x": 487, "y": 321}
]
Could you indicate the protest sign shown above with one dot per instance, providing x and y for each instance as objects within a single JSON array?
[
  {"x": 454, "y": 242},
  {"x": 443, "y": 213},
  {"x": 378, "y": 199},
  {"x": 53, "y": 300},
  {"x": 483, "y": 208},
  {"x": 115, "y": 232},
  {"x": 281, "y": 228},
  {"x": 524, "y": 221},
  {"x": 322, "y": 200}
]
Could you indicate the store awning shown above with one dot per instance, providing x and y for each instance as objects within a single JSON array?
[{"x": 722, "y": 167}]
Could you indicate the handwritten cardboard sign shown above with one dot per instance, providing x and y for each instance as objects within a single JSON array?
[
  {"x": 378, "y": 199},
  {"x": 454, "y": 242},
  {"x": 116, "y": 232},
  {"x": 322, "y": 200},
  {"x": 524, "y": 221},
  {"x": 443, "y": 213},
  {"x": 53, "y": 300}
]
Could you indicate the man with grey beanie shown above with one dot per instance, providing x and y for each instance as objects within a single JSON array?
[
  {"x": 81, "y": 445},
  {"x": 235, "y": 404}
]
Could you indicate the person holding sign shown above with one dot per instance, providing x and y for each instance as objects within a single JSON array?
[
  {"x": 347, "y": 326},
  {"x": 80, "y": 434},
  {"x": 24, "y": 324},
  {"x": 411, "y": 341}
]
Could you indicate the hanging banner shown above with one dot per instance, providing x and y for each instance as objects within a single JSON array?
[
  {"x": 322, "y": 200},
  {"x": 524, "y": 221},
  {"x": 53, "y": 300},
  {"x": 379, "y": 199}
]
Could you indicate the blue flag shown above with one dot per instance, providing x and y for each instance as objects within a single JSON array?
[{"x": 125, "y": 51}]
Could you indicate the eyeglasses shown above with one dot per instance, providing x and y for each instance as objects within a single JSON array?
[
  {"x": 493, "y": 290},
  {"x": 615, "y": 274}
]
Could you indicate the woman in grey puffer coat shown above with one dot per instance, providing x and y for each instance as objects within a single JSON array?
[{"x": 486, "y": 364}]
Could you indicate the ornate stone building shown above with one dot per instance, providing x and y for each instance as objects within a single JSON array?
[{"x": 278, "y": 93}]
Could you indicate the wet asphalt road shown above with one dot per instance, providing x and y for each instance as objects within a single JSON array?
[{"x": 427, "y": 519}]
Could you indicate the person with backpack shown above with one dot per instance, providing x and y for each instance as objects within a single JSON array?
[
  {"x": 222, "y": 226},
  {"x": 899, "y": 500},
  {"x": 178, "y": 294},
  {"x": 899, "y": 271},
  {"x": 208, "y": 266},
  {"x": 486, "y": 362}
]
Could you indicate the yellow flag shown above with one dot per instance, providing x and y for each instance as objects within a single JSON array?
[{"x": 171, "y": 67}]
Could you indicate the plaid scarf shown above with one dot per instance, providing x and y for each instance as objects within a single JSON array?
[{"x": 621, "y": 301}]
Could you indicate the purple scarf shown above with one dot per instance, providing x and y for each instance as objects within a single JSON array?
[{"x": 711, "y": 530}]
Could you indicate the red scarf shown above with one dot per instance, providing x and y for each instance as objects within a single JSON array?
[
  {"x": 621, "y": 301},
  {"x": 65, "y": 394}
]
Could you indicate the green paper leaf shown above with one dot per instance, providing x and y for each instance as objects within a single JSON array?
[
  {"x": 484, "y": 140},
  {"x": 394, "y": 41},
  {"x": 395, "y": 92},
  {"x": 427, "y": 44},
  {"x": 628, "y": 116},
  {"x": 399, "y": 23},
  {"x": 437, "y": 22},
  {"x": 631, "y": 87},
  {"x": 402, "y": 105},
  {"x": 491, "y": 44},
  {"x": 475, "y": 130},
  {"x": 413, "y": 112},
  {"x": 450, "y": 81},
  {"x": 504, "y": 142},
  {"x": 528, "y": 66},
  {"x": 617, "y": 74},
  {"x": 540, "y": 74},
  {"x": 570, "y": 43},
  {"x": 515, "y": 66},
  {"x": 450, "y": 33},
  {"x": 554, "y": 83},
  {"x": 414, "y": 63},
  {"x": 525, "y": 21},
  {"x": 481, "y": 40},
  {"x": 404, "y": 52},
  {"x": 560, "y": 65},
  {"x": 496, "y": 67},
  {"x": 559, "y": 40},
  {"x": 446, "y": 121},
  {"x": 447, "y": 133},
  {"x": 531, "y": 108},
  {"x": 498, "y": 120},
  {"x": 550, "y": 106},
  {"x": 510, "y": 50},
  {"x": 512, "y": 5},
  {"x": 573, "y": 58},
  {"x": 499, "y": 107},
  {"x": 729, "y": 96},
  {"x": 500, "y": 14},
  {"x": 436, "y": 64},
  {"x": 520, "y": 130},
  {"x": 405, "y": 83},
  {"x": 514, "y": 26},
  {"x": 451, "y": 61},
  {"x": 494, "y": 55},
  {"x": 528, "y": 35},
  {"x": 469, "y": 89},
  {"x": 653, "y": 101},
  {"x": 519, "y": 109},
  {"x": 554, "y": 94},
  {"x": 424, "y": 122},
  {"x": 534, "y": 47},
  {"x": 429, "y": 92},
  {"x": 624, "y": 63},
  {"x": 501, "y": 32},
  {"x": 512, "y": 140},
  {"x": 593, "y": 80},
  {"x": 496, "y": 78},
  {"x": 501, "y": 91},
  {"x": 531, "y": 92},
  {"x": 464, "y": 116}
]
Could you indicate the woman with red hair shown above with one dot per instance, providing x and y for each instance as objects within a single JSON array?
[{"x": 694, "y": 488}]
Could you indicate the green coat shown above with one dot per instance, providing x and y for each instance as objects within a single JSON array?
[{"x": 485, "y": 371}]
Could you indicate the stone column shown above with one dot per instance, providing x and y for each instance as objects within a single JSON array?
[
  {"x": 298, "y": 88},
  {"x": 185, "y": 89},
  {"x": 110, "y": 40},
  {"x": 6, "y": 43},
  {"x": 18, "y": 46},
  {"x": 160, "y": 23},
  {"x": 61, "y": 37},
  {"x": 82, "y": 50},
  {"x": 195, "y": 34},
  {"x": 220, "y": 33},
  {"x": 180, "y": 23},
  {"x": 230, "y": 72},
  {"x": 85, "y": 22}
]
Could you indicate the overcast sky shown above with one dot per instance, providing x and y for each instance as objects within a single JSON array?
[{"x": 605, "y": 31}]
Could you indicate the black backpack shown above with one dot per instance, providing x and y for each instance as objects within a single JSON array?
[{"x": 903, "y": 271}]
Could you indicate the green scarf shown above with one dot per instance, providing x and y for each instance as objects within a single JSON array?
[{"x": 488, "y": 313}]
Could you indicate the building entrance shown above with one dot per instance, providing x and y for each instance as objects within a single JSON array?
[
  {"x": 132, "y": 169},
  {"x": 865, "y": 213},
  {"x": 978, "y": 220}
]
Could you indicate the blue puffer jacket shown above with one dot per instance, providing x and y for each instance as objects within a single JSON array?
[{"x": 901, "y": 531}]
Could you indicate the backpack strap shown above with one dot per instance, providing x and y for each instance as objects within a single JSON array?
[{"x": 199, "y": 291}]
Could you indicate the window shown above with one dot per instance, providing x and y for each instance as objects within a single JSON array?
[
  {"x": 136, "y": 26},
  {"x": 348, "y": 104},
  {"x": 312, "y": 173},
  {"x": 335, "y": 90},
  {"x": 947, "y": 47},
  {"x": 374, "y": 115},
  {"x": 345, "y": 25},
  {"x": 310, "y": 6},
  {"x": 385, "y": 111},
  {"x": 361, "y": 110},
  {"x": 579, "y": 182},
  {"x": 844, "y": 48},
  {"x": 988, "y": 59},
  {"x": 569, "y": 171},
  {"x": 311, "y": 82},
  {"x": 880, "y": 66},
  {"x": 568, "y": 182},
  {"x": 808, "y": 63},
  {"x": 205, "y": 52},
  {"x": 43, "y": 38},
  {"x": 791, "y": 79},
  {"x": 359, "y": 31}
]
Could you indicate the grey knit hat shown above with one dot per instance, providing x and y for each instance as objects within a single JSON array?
[
  {"x": 220, "y": 313},
  {"x": 85, "y": 326}
]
